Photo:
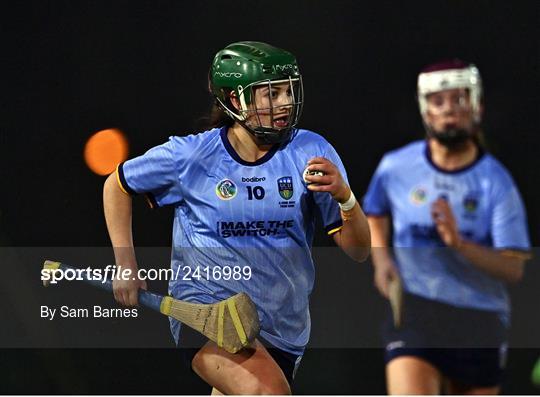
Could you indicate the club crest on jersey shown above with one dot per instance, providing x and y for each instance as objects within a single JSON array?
[
  {"x": 226, "y": 189},
  {"x": 470, "y": 203},
  {"x": 285, "y": 187},
  {"x": 418, "y": 196}
]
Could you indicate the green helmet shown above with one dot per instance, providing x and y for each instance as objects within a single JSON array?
[{"x": 239, "y": 68}]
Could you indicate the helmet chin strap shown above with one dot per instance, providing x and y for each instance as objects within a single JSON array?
[
  {"x": 450, "y": 137},
  {"x": 263, "y": 135},
  {"x": 266, "y": 135}
]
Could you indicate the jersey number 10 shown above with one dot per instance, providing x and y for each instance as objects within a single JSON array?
[{"x": 256, "y": 191}]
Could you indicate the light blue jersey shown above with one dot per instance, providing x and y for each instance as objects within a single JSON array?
[
  {"x": 488, "y": 211},
  {"x": 258, "y": 216}
]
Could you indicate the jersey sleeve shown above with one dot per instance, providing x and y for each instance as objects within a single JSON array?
[
  {"x": 328, "y": 207},
  {"x": 376, "y": 201},
  {"x": 155, "y": 173},
  {"x": 509, "y": 220}
]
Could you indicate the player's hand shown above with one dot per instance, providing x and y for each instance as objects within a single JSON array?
[
  {"x": 446, "y": 223},
  {"x": 385, "y": 272},
  {"x": 126, "y": 292},
  {"x": 331, "y": 182}
]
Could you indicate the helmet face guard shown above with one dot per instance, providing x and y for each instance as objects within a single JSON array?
[
  {"x": 249, "y": 114},
  {"x": 446, "y": 76},
  {"x": 240, "y": 71}
]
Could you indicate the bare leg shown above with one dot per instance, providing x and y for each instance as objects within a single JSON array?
[
  {"x": 250, "y": 371},
  {"x": 412, "y": 375}
]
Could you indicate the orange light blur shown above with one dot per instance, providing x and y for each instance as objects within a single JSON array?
[{"x": 105, "y": 150}]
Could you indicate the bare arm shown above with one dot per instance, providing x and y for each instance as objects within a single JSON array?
[
  {"x": 385, "y": 269},
  {"x": 354, "y": 237},
  {"x": 505, "y": 265},
  {"x": 117, "y": 207}
]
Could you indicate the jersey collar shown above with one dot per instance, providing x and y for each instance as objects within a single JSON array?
[
  {"x": 427, "y": 154},
  {"x": 237, "y": 158}
]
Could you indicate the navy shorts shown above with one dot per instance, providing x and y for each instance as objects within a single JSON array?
[
  {"x": 288, "y": 362},
  {"x": 466, "y": 345}
]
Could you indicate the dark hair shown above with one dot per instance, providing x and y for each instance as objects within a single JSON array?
[
  {"x": 216, "y": 118},
  {"x": 479, "y": 138}
]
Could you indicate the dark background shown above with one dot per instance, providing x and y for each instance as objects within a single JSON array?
[{"x": 73, "y": 68}]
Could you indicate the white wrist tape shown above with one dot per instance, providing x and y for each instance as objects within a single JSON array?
[{"x": 349, "y": 204}]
